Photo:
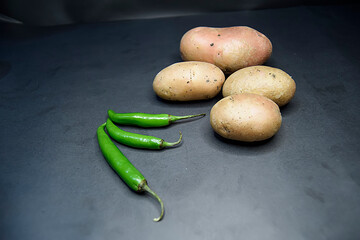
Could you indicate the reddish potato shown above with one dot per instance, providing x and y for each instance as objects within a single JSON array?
[{"x": 229, "y": 48}]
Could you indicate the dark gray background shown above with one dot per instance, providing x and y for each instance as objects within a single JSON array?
[
  {"x": 58, "y": 12},
  {"x": 57, "y": 83}
]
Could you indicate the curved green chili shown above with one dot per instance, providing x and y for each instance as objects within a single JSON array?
[
  {"x": 137, "y": 140},
  {"x": 146, "y": 119},
  {"x": 123, "y": 167}
]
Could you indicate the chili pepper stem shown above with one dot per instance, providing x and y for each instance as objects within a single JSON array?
[
  {"x": 170, "y": 144},
  {"x": 146, "y": 188},
  {"x": 176, "y": 118}
]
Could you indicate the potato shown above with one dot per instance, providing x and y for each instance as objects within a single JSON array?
[
  {"x": 266, "y": 81},
  {"x": 187, "y": 81},
  {"x": 246, "y": 117},
  {"x": 230, "y": 48}
]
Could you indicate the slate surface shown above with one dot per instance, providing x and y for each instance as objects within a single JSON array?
[{"x": 57, "y": 83}]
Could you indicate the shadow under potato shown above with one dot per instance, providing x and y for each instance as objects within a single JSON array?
[
  {"x": 5, "y": 68},
  {"x": 290, "y": 108},
  {"x": 194, "y": 103},
  {"x": 241, "y": 143},
  {"x": 239, "y": 148}
]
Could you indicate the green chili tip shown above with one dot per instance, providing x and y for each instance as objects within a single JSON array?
[
  {"x": 146, "y": 188},
  {"x": 176, "y": 118},
  {"x": 170, "y": 144}
]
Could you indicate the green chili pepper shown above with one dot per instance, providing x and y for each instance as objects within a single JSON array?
[
  {"x": 137, "y": 140},
  {"x": 123, "y": 167},
  {"x": 146, "y": 119}
]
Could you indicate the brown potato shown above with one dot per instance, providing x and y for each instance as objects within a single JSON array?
[
  {"x": 246, "y": 117},
  {"x": 270, "y": 82},
  {"x": 187, "y": 81},
  {"x": 230, "y": 48}
]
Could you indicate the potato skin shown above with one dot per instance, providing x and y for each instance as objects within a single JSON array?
[
  {"x": 246, "y": 117},
  {"x": 270, "y": 82},
  {"x": 188, "y": 81},
  {"x": 230, "y": 48}
]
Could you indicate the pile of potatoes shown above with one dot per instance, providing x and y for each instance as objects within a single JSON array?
[{"x": 252, "y": 93}]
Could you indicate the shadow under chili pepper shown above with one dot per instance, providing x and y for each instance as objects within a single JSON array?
[
  {"x": 151, "y": 150},
  {"x": 155, "y": 140}
]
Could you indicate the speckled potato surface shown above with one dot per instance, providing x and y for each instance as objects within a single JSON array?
[
  {"x": 270, "y": 82},
  {"x": 246, "y": 117},
  {"x": 188, "y": 81},
  {"x": 229, "y": 48}
]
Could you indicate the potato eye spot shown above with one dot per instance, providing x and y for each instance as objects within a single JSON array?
[{"x": 226, "y": 129}]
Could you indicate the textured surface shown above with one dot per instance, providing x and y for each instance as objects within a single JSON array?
[
  {"x": 57, "y": 12},
  {"x": 56, "y": 85}
]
